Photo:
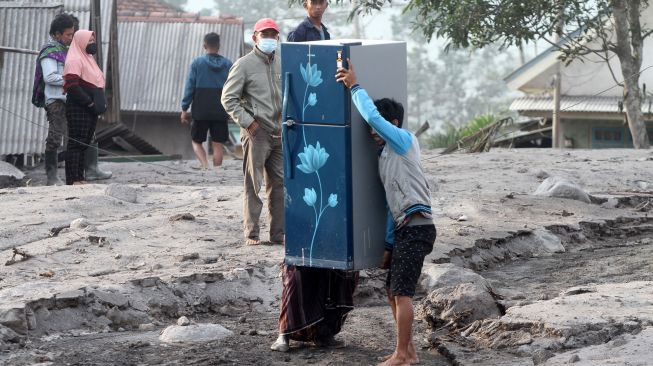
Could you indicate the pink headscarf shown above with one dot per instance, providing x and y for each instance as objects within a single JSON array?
[{"x": 80, "y": 63}]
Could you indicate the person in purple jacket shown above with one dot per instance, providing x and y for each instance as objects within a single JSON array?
[{"x": 409, "y": 200}]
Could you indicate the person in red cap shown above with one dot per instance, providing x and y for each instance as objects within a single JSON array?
[{"x": 252, "y": 97}]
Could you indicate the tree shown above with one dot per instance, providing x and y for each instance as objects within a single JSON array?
[
  {"x": 451, "y": 88},
  {"x": 613, "y": 24},
  {"x": 177, "y": 3}
]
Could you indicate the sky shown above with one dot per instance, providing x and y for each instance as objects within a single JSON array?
[{"x": 374, "y": 25}]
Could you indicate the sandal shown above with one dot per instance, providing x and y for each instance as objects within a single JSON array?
[{"x": 252, "y": 242}]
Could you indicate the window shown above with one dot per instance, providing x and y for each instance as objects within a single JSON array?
[{"x": 607, "y": 137}]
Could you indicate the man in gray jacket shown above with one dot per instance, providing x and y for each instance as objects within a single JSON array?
[{"x": 252, "y": 97}]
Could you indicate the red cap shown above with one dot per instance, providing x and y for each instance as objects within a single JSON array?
[{"x": 265, "y": 23}]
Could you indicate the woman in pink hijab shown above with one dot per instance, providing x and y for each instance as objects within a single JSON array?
[{"x": 85, "y": 101}]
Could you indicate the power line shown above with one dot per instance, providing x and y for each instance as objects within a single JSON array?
[{"x": 88, "y": 145}]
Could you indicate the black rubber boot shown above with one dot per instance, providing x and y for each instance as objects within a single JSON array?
[
  {"x": 51, "y": 169},
  {"x": 90, "y": 165}
]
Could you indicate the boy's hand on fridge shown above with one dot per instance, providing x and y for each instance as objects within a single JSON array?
[
  {"x": 387, "y": 258},
  {"x": 346, "y": 76}
]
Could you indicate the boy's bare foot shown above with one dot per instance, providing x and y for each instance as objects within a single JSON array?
[
  {"x": 395, "y": 360},
  {"x": 412, "y": 355},
  {"x": 411, "y": 360},
  {"x": 199, "y": 167}
]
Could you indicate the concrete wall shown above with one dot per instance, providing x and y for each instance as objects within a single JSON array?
[{"x": 580, "y": 131}]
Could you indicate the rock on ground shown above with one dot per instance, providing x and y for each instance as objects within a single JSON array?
[
  {"x": 435, "y": 276},
  {"x": 579, "y": 317},
  {"x": 627, "y": 349},
  {"x": 562, "y": 188},
  {"x": 10, "y": 176},
  {"x": 459, "y": 296},
  {"x": 194, "y": 333},
  {"x": 122, "y": 192},
  {"x": 8, "y": 170},
  {"x": 540, "y": 243}
]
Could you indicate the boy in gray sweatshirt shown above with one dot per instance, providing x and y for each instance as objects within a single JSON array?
[{"x": 409, "y": 200}]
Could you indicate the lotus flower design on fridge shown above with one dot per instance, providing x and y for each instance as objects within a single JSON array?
[
  {"x": 314, "y": 157},
  {"x": 311, "y": 75},
  {"x": 313, "y": 78}
]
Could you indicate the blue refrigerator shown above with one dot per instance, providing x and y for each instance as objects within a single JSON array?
[{"x": 335, "y": 211}]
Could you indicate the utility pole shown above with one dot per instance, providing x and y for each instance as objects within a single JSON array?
[
  {"x": 556, "y": 126},
  {"x": 96, "y": 26}
]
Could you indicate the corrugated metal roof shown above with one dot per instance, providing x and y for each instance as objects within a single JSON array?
[
  {"x": 155, "y": 56},
  {"x": 23, "y": 26},
  {"x": 571, "y": 104}
]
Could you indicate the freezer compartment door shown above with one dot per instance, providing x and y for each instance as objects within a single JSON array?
[
  {"x": 311, "y": 93},
  {"x": 317, "y": 199}
]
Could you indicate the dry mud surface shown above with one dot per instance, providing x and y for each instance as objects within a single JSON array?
[{"x": 111, "y": 265}]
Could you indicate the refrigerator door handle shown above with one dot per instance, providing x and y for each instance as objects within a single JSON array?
[
  {"x": 286, "y": 93},
  {"x": 289, "y": 124}
]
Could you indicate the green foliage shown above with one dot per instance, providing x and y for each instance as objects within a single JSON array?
[
  {"x": 478, "y": 23},
  {"x": 452, "y": 134}
]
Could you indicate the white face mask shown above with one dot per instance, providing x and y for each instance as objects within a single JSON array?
[{"x": 267, "y": 45}]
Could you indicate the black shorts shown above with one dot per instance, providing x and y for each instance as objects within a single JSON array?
[
  {"x": 412, "y": 244},
  {"x": 219, "y": 131}
]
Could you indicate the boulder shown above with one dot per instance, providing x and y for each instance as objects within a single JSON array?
[
  {"x": 183, "y": 321},
  {"x": 540, "y": 243},
  {"x": 14, "y": 319},
  {"x": 194, "y": 333},
  {"x": 80, "y": 223},
  {"x": 456, "y": 295},
  {"x": 122, "y": 192},
  {"x": 562, "y": 188},
  {"x": 436, "y": 276},
  {"x": 8, "y": 335},
  {"x": 10, "y": 176}
]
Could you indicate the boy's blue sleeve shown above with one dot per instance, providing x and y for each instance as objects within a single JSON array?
[
  {"x": 389, "y": 231},
  {"x": 399, "y": 139},
  {"x": 189, "y": 88}
]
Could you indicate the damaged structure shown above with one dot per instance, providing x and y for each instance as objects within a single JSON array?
[{"x": 157, "y": 44}]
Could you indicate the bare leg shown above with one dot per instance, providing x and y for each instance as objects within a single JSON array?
[
  {"x": 412, "y": 351},
  {"x": 393, "y": 304},
  {"x": 198, "y": 149},
  {"x": 404, "y": 320},
  {"x": 217, "y": 154}
]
